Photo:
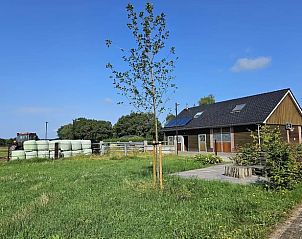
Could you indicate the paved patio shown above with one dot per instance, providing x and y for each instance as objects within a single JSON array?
[{"x": 217, "y": 173}]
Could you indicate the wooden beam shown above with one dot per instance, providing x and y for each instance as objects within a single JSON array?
[{"x": 232, "y": 139}]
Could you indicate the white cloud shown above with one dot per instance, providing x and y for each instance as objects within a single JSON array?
[{"x": 249, "y": 64}]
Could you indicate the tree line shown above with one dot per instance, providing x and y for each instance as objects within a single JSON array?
[{"x": 135, "y": 127}]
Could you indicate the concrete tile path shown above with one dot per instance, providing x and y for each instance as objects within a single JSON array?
[
  {"x": 216, "y": 173},
  {"x": 292, "y": 228}
]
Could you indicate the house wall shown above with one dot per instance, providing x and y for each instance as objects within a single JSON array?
[
  {"x": 242, "y": 134},
  {"x": 239, "y": 136},
  {"x": 193, "y": 143},
  {"x": 290, "y": 136},
  {"x": 286, "y": 112}
]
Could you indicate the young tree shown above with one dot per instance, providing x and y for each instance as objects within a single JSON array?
[
  {"x": 206, "y": 100},
  {"x": 149, "y": 78}
]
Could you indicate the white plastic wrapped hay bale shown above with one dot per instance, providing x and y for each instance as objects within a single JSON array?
[
  {"x": 30, "y": 155},
  {"x": 43, "y": 154},
  {"x": 86, "y": 144},
  {"x": 87, "y": 151},
  {"x": 66, "y": 154},
  {"x": 30, "y": 146},
  {"x": 65, "y": 145},
  {"x": 76, "y": 145},
  {"x": 77, "y": 152},
  {"x": 18, "y": 155},
  {"x": 42, "y": 145},
  {"x": 52, "y": 144},
  {"x": 52, "y": 154}
]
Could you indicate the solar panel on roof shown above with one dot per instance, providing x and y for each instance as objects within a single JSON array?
[{"x": 178, "y": 122}]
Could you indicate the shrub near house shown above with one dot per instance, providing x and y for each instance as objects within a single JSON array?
[{"x": 283, "y": 161}]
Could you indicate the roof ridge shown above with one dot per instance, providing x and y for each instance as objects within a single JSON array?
[{"x": 285, "y": 89}]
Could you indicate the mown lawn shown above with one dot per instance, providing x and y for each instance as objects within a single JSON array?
[{"x": 91, "y": 198}]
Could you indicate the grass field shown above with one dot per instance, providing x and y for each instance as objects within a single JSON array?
[
  {"x": 93, "y": 198},
  {"x": 3, "y": 152}
]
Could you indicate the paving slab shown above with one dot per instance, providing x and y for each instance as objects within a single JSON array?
[
  {"x": 292, "y": 228},
  {"x": 217, "y": 173}
]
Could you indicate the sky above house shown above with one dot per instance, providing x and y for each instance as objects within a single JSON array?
[{"x": 53, "y": 56}]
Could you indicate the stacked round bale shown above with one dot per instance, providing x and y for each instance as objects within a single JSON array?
[
  {"x": 76, "y": 147},
  {"x": 30, "y": 149},
  {"x": 43, "y": 148},
  {"x": 52, "y": 148},
  {"x": 46, "y": 149},
  {"x": 65, "y": 146},
  {"x": 86, "y": 147},
  {"x": 18, "y": 154}
]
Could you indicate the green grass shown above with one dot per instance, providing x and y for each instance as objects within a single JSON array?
[
  {"x": 90, "y": 198},
  {"x": 3, "y": 152}
]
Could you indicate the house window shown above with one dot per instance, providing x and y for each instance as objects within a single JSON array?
[
  {"x": 238, "y": 108},
  {"x": 198, "y": 114},
  {"x": 226, "y": 137},
  {"x": 170, "y": 140},
  {"x": 217, "y": 137}
]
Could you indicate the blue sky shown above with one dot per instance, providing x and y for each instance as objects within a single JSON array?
[{"x": 53, "y": 56}]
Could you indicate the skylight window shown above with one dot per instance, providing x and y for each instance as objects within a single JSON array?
[
  {"x": 198, "y": 114},
  {"x": 238, "y": 108}
]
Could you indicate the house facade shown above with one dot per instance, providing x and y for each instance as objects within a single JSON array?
[{"x": 226, "y": 125}]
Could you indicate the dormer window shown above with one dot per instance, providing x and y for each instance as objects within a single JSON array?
[
  {"x": 198, "y": 114},
  {"x": 238, "y": 108}
]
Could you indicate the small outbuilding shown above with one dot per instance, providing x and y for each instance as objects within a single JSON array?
[{"x": 230, "y": 123}]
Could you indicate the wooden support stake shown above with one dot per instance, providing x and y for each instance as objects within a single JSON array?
[
  {"x": 154, "y": 165},
  {"x": 161, "y": 167}
]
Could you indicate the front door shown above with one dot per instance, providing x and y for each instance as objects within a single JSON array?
[{"x": 202, "y": 142}]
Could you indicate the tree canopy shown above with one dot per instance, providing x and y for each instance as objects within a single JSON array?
[
  {"x": 135, "y": 124},
  {"x": 82, "y": 128},
  {"x": 147, "y": 76},
  {"x": 207, "y": 100},
  {"x": 169, "y": 117}
]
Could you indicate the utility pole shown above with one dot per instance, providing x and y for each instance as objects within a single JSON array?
[
  {"x": 73, "y": 134},
  {"x": 176, "y": 105},
  {"x": 46, "y": 127}
]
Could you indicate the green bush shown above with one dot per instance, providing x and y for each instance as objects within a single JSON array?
[
  {"x": 208, "y": 158},
  {"x": 283, "y": 161},
  {"x": 249, "y": 154}
]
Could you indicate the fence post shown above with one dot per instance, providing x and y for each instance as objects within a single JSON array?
[
  {"x": 101, "y": 148},
  {"x": 125, "y": 149},
  {"x": 56, "y": 156},
  {"x": 215, "y": 146},
  {"x": 8, "y": 152}
]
